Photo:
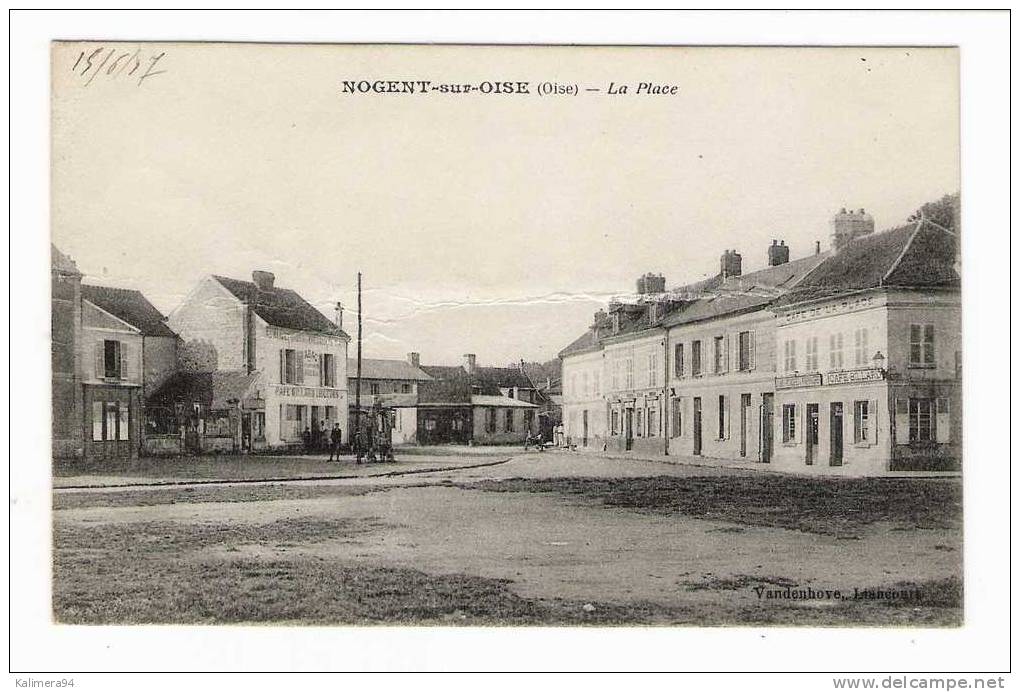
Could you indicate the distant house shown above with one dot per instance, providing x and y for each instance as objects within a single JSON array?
[
  {"x": 469, "y": 404},
  {"x": 127, "y": 349},
  {"x": 300, "y": 355},
  {"x": 393, "y": 385},
  {"x": 65, "y": 315}
]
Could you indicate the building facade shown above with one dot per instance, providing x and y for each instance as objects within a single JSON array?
[
  {"x": 393, "y": 386},
  {"x": 844, "y": 362},
  {"x": 66, "y": 365},
  {"x": 472, "y": 404},
  {"x": 300, "y": 356}
]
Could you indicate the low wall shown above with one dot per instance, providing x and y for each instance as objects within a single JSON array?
[{"x": 160, "y": 445}]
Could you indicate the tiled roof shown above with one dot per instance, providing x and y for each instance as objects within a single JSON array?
[
  {"x": 281, "y": 307},
  {"x": 748, "y": 292},
  {"x": 217, "y": 390},
  {"x": 385, "y": 369},
  {"x": 130, "y": 306},
  {"x": 485, "y": 377},
  {"x": 918, "y": 255}
]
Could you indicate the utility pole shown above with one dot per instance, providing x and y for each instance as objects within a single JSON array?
[{"x": 357, "y": 385}]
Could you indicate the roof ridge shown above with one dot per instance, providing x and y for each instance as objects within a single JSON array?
[{"x": 906, "y": 246}]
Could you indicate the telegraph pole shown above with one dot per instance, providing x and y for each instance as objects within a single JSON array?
[{"x": 357, "y": 385}]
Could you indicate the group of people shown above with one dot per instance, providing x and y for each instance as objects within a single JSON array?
[{"x": 321, "y": 439}]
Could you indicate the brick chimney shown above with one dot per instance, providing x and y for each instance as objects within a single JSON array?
[
  {"x": 263, "y": 280},
  {"x": 779, "y": 253},
  {"x": 729, "y": 263},
  {"x": 651, "y": 283},
  {"x": 414, "y": 359},
  {"x": 848, "y": 225},
  {"x": 339, "y": 318},
  {"x": 469, "y": 363}
]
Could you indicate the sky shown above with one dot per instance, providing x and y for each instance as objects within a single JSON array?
[{"x": 486, "y": 224}]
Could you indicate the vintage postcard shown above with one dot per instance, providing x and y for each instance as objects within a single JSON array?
[{"x": 506, "y": 335}]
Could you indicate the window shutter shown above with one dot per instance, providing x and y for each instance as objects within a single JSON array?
[
  {"x": 857, "y": 423},
  {"x": 873, "y": 419},
  {"x": 299, "y": 367},
  {"x": 750, "y": 350},
  {"x": 902, "y": 421},
  {"x": 943, "y": 422},
  {"x": 100, "y": 360},
  {"x": 726, "y": 353},
  {"x": 726, "y": 415},
  {"x": 798, "y": 417},
  {"x": 332, "y": 372},
  {"x": 124, "y": 358},
  {"x": 283, "y": 366}
]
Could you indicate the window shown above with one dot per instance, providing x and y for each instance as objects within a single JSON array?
[
  {"x": 862, "y": 421},
  {"x": 653, "y": 369},
  {"x": 328, "y": 370},
  {"x": 595, "y": 387},
  {"x": 722, "y": 417},
  {"x": 584, "y": 384},
  {"x": 718, "y": 354},
  {"x": 373, "y": 388},
  {"x": 290, "y": 370},
  {"x": 653, "y": 422},
  {"x": 630, "y": 372},
  {"x": 529, "y": 420},
  {"x": 678, "y": 428},
  {"x": 616, "y": 375},
  {"x": 614, "y": 422},
  {"x": 111, "y": 420},
  {"x": 922, "y": 422},
  {"x": 836, "y": 351},
  {"x": 405, "y": 388},
  {"x": 640, "y": 422},
  {"x": 508, "y": 422},
  {"x": 811, "y": 354},
  {"x": 490, "y": 423},
  {"x": 430, "y": 424},
  {"x": 861, "y": 358},
  {"x": 111, "y": 360},
  {"x": 789, "y": 423},
  {"x": 695, "y": 358},
  {"x": 678, "y": 360},
  {"x": 457, "y": 424},
  {"x": 790, "y": 355},
  {"x": 922, "y": 345},
  {"x": 745, "y": 348},
  {"x": 292, "y": 421}
]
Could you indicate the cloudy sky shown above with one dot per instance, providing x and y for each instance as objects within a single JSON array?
[{"x": 486, "y": 224}]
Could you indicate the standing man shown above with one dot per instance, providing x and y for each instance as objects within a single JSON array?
[
  {"x": 306, "y": 437},
  {"x": 336, "y": 436}
]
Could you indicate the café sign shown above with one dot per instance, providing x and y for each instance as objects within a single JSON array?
[
  {"x": 310, "y": 392},
  {"x": 854, "y": 376},
  {"x": 790, "y": 381}
]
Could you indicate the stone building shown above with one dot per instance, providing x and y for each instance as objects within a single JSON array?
[
  {"x": 66, "y": 376},
  {"x": 299, "y": 355},
  {"x": 842, "y": 362},
  {"x": 127, "y": 350},
  {"x": 393, "y": 386},
  {"x": 471, "y": 404}
]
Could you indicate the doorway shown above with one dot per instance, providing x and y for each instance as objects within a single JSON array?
[
  {"x": 745, "y": 408},
  {"x": 811, "y": 444},
  {"x": 584, "y": 428},
  {"x": 836, "y": 433},
  {"x": 697, "y": 426},
  {"x": 766, "y": 427},
  {"x": 628, "y": 428}
]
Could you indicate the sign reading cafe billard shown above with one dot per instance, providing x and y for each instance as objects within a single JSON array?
[{"x": 314, "y": 392}]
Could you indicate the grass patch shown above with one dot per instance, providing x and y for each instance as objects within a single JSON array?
[
  {"x": 840, "y": 507},
  {"x": 167, "y": 573}
]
